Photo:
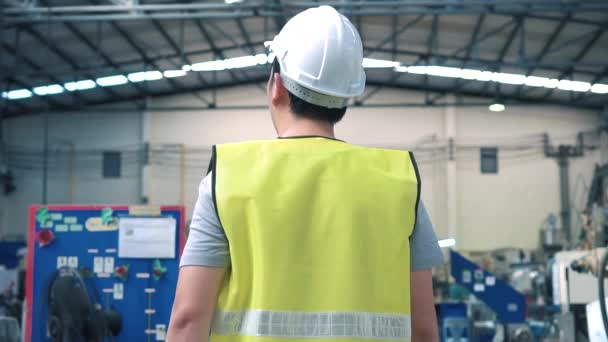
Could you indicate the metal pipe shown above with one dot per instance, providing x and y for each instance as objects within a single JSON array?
[
  {"x": 45, "y": 158},
  {"x": 182, "y": 174},
  {"x": 72, "y": 182},
  {"x": 22, "y": 18},
  {"x": 564, "y": 187},
  {"x": 117, "y": 17},
  {"x": 120, "y": 110},
  {"x": 430, "y": 3},
  {"x": 303, "y": 4},
  {"x": 232, "y": 15},
  {"x": 126, "y": 8}
]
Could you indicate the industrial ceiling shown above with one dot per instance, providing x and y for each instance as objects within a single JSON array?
[{"x": 512, "y": 51}]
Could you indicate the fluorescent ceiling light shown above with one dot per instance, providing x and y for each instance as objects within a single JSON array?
[
  {"x": 145, "y": 76},
  {"x": 417, "y": 69},
  {"x": 18, "y": 94},
  {"x": 112, "y": 80},
  {"x": 505, "y": 78},
  {"x": 174, "y": 73},
  {"x": 443, "y": 71},
  {"x": 48, "y": 90},
  {"x": 470, "y": 74},
  {"x": 240, "y": 62},
  {"x": 533, "y": 81},
  {"x": 446, "y": 243},
  {"x": 209, "y": 66},
  {"x": 80, "y": 85},
  {"x": 496, "y": 107},
  {"x": 573, "y": 85},
  {"x": 599, "y": 88},
  {"x": 379, "y": 63},
  {"x": 231, "y": 63},
  {"x": 271, "y": 57},
  {"x": 485, "y": 76},
  {"x": 551, "y": 83},
  {"x": 261, "y": 58}
]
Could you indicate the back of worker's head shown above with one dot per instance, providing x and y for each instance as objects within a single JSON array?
[{"x": 317, "y": 65}]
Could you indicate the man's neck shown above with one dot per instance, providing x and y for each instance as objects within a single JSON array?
[{"x": 307, "y": 127}]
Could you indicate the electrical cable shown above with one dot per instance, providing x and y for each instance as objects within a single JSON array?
[{"x": 602, "y": 296}]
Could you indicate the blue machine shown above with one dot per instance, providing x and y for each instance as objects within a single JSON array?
[
  {"x": 508, "y": 304},
  {"x": 9, "y": 253},
  {"x": 453, "y": 321},
  {"x": 85, "y": 238}
]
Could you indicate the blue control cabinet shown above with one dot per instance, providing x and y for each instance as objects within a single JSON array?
[{"x": 86, "y": 238}]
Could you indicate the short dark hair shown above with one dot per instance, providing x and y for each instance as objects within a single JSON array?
[{"x": 308, "y": 110}]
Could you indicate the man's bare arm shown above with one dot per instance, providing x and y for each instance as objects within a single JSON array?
[
  {"x": 194, "y": 305},
  {"x": 424, "y": 320}
]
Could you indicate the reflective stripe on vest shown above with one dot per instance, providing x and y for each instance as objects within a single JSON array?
[{"x": 287, "y": 324}]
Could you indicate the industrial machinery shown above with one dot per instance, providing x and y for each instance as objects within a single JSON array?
[
  {"x": 528, "y": 300},
  {"x": 554, "y": 293},
  {"x": 72, "y": 314},
  {"x": 508, "y": 305}
]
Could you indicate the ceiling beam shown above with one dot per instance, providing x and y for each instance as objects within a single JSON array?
[
  {"x": 579, "y": 56},
  {"x": 239, "y": 24},
  {"x": 217, "y": 51},
  {"x": 535, "y": 9},
  {"x": 471, "y": 45},
  {"x": 180, "y": 51},
  {"x": 65, "y": 58},
  {"x": 93, "y": 47},
  {"x": 394, "y": 36},
  {"x": 543, "y": 52},
  {"x": 35, "y": 67},
  {"x": 98, "y": 51},
  {"x": 503, "y": 52},
  {"x": 142, "y": 54},
  {"x": 432, "y": 46},
  {"x": 126, "y": 62},
  {"x": 360, "y": 101}
]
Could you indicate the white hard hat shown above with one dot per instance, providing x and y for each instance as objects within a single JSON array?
[{"x": 321, "y": 55}]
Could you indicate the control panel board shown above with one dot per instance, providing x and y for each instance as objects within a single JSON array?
[{"x": 127, "y": 256}]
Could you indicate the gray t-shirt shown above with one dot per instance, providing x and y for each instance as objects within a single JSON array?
[{"x": 207, "y": 244}]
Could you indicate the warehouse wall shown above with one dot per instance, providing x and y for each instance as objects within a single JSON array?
[
  {"x": 480, "y": 211},
  {"x": 510, "y": 206},
  {"x": 89, "y": 134},
  {"x": 489, "y": 211}
]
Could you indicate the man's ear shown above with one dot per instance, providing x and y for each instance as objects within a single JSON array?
[{"x": 278, "y": 95}]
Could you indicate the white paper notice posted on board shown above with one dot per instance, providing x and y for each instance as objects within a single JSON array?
[{"x": 146, "y": 237}]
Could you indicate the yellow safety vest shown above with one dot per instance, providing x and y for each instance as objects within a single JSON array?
[{"x": 319, "y": 240}]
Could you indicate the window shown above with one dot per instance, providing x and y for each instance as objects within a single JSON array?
[
  {"x": 111, "y": 164},
  {"x": 489, "y": 160}
]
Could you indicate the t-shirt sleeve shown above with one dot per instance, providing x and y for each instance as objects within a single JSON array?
[
  {"x": 424, "y": 249},
  {"x": 207, "y": 244}
]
